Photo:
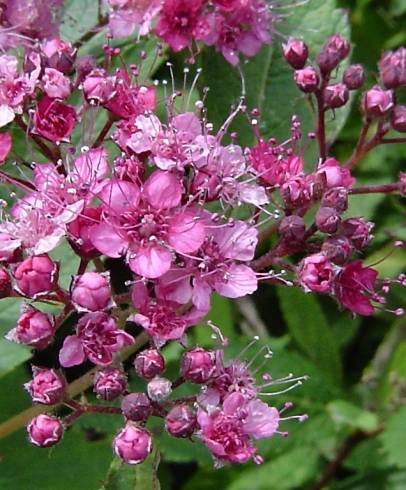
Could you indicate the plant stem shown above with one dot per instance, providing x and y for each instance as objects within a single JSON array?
[{"x": 370, "y": 189}]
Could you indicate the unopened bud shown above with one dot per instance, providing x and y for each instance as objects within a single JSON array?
[
  {"x": 333, "y": 52},
  {"x": 91, "y": 292},
  {"x": 335, "y": 96},
  {"x": 36, "y": 275},
  {"x": 358, "y": 230},
  {"x": 109, "y": 383},
  {"x": 307, "y": 79},
  {"x": 159, "y": 388},
  {"x": 398, "y": 119},
  {"x": 292, "y": 228},
  {"x": 197, "y": 365},
  {"x": 47, "y": 386},
  {"x": 149, "y": 363},
  {"x": 336, "y": 198},
  {"x": 354, "y": 77},
  {"x": 132, "y": 444},
  {"x": 377, "y": 102},
  {"x": 295, "y": 53},
  {"x": 180, "y": 421},
  {"x": 5, "y": 283},
  {"x": 136, "y": 407},
  {"x": 45, "y": 430},
  {"x": 337, "y": 249},
  {"x": 33, "y": 328},
  {"x": 327, "y": 220}
]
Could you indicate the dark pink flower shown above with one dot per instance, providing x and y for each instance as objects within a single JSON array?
[
  {"x": 80, "y": 232},
  {"x": 109, "y": 383},
  {"x": 335, "y": 174},
  {"x": 149, "y": 363},
  {"x": 198, "y": 365},
  {"x": 181, "y": 421},
  {"x": 316, "y": 273},
  {"x": 54, "y": 120},
  {"x": 377, "y": 102},
  {"x": 180, "y": 21},
  {"x": 355, "y": 286},
  {"x": 97, "y": 339},
  {"x": 147, "y": 226}
]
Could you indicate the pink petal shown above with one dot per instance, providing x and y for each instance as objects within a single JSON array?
[
  {"x": 108, "y": 241},
  {"x": 5, "y": 145},
  {"x": 262, "y": 421},
  {"x": 92, "y": 165},
  {"x": 151, "y": 262},
  {"x": 241, "y": 280},
  {"x": 119, "y": 195},
  {"x": 72, "y": 352},
  {"x": 162, "y": 190},
  {"x": 186, "y": 233}
]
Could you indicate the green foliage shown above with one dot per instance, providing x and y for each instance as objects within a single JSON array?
[{"x": 393, "y": 439}]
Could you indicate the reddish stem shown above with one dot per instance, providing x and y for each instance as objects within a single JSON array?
[{"x": 370, "y": 189}]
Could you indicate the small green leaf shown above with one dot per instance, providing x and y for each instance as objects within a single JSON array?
[
  {"x": 393, "y": 438},
  {"x": 345, "y": 413},
  {"x": 12, "y": 355}
]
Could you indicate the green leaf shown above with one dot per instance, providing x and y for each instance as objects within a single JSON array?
[
  {"x": 345, "y": 413},
  {"x": 12, "y": 355},
  {"x": 74, "y": 464},
  {"x": 291, "y": 470},
  {"x": 393, "y": 438},
  {"x": 69, "y": 263},
  {"x": 221, "y": 314},
  {"x": 143, "y": 476},
  {"x": 269, "y": 79},
  {"x": 310, "y": 329}
]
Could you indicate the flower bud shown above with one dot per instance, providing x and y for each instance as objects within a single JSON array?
[
  {"x": 45, "y": 430},
  {"x": 377, "y": 102},
  {"x": 109, "y": 383},
  {"x": 159, "y": 388},
  {"x": 36, "y": 275},
  {"x": 5, "y": 283},
  {"x": 333, "y": 52},
  {"x": 59, "y": 55},
  {"x": 327, "y": 220},
  {"x": 316, "y": 273},
  {"x": 398, "y": 119},
  {"x": 295, "y": 53},
  {"x": 84, "y": 66},
  {"x": 336, "y": 198},
  {"x": 91, "y": 292},
  {"x": 180, "y": 421},
  {"x": 97, "y": 86},
  {"x": 337, "y": 249},
  {"x": 292, "y": 228},
  {"x": 354, "y": 77},
  {"x": 358, "y": 231},
  {"x": 307, "y": 79},
  {"x": 149, "y": 363},
  {"x": 392, "y": 68},
  {"x": 132, "y": 444},
  {"x": 33, "y": 328},
  {"x": 136, "y": 407},
  {"x": 80, "y": 232},
  {"x": 297, "y": 192},
  {"x": 335, "y": 96},
  {"x": 47, "y": 386},
  {"x": 197, "y": 365}
]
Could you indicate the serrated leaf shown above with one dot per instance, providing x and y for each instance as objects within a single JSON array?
[
  {"x": 310, "y": 329},
  {"x": 393, "y": 438},
  {"x": 269, "y": 79},
  {"x": 347, "y": 414},
  {"x": 291, "y": 470}
]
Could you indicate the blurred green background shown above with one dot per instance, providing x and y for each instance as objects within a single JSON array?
[{"x": 355, "y": 397}]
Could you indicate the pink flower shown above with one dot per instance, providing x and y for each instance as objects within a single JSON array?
[
  {"x": 80, "y": 233},
  {"x": 36, "y": 275},
  {"x": 271, "y": 168},
  {"x": 132, "y": 444},
  {"x": 58, "y": 55},
  {"x": 54, "y": 120},
  {"x": 147, "y": 226},
  {"x": 47, "y": 386},
  {"x": 180, "y": 21},
  {"x": 335, "y": 174},
  {"x": 355, "y": 286},
  {"x": 97, "y": 339},
  {"x": 127, "y": 101},
  {"x": 45, "y": 430},
  {"x": 316, "y": 273}
]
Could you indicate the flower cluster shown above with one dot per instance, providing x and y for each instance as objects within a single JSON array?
[
  {"x": 232, "y": 26},
  {"x": 182, "y": 208}
]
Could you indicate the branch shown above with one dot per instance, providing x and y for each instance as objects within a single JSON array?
[{"x": 370, "y": 189}]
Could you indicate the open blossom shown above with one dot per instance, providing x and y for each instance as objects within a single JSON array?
[
  {"x": 147, "y": 225},
  {"x": 335, "y": 174},
  {"x": 355, "y": 286},
  {"x": 97, "y": 339},
  {"x": 316, "y": 273},
  {"x": 228, "y": 432}
]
